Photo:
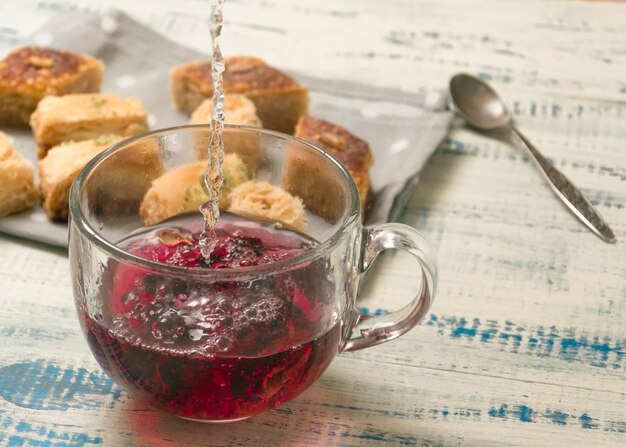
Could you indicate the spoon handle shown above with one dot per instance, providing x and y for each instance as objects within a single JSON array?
[{"x": 568, "y": 193}]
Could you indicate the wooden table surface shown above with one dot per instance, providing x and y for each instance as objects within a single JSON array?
[{"x": 526, "y": 341}]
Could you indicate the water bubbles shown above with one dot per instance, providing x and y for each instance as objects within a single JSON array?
[
  {"x": 208, "y": 325},
  {"x": 251, "y": 312},
  {"x": 156, "y": 332},
  {"x": 195, "y": 334},
  {"x": 240, "y": 321},
  {"x": 149, "y": 283},
  {"x": 203, "y": 317},
  {"x": 223, "y": 343},
  {"x": 218, "y": 343},
  {"x": 168, "y": 327},
  {"x": 181, "y": 287},
  {"x": 180, "y": 299},
  {"x": 162, "y": 293},
  {"x": 260, "y": 285},
  {"x": 207, "y": 240},
  {"x": 129, "y": 298}
]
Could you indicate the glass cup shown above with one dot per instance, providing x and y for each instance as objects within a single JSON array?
[{"x": 219, "y": 345}]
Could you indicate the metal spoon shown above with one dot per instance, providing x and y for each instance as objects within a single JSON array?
[{"x": 481, "y": 106}]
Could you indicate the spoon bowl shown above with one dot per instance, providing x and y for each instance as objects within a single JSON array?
[{"x": 478, "y": 103}]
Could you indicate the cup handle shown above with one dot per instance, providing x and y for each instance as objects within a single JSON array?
[{"x": 367, "y": 330}]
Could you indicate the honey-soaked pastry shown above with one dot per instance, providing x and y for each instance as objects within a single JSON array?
[
  {"x": 85, "y": 116},
  {"x": 61, "y": 166},
  {"x": 17, "y": 186},
  {"x": 237, "y": 110},
  {"x": 180, "y": 190},
  {"x": 246, "y": 145},
  {"x": 312, "y": 178},
  {"x": 353, "y": 152},
  {"x": 132, "y": 169},
  {"x": 262, "y": 200},
  {"x": 28, "y": 74},
  {"x": 279, "y": 99}
]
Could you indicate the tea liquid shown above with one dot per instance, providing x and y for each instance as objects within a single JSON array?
[{"x": 216, "y": 350}]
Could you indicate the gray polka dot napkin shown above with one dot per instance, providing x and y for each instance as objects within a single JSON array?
[{"x": 403, "y": 129}]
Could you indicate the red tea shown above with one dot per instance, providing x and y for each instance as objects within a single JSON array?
[{"x": 220, "y": 350}]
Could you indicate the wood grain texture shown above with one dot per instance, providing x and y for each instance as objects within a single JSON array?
[{"x": 526, "y": 341}]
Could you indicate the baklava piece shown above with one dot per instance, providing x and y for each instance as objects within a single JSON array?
[
  {"x": 180, "y": 190},
  {"x": 17, "y": 186},
  {"x": 237, "y": 110},
  {"x": 28, "y": 74},
  {"x": 278, "y": 98},
  {"x": 61, "y": 166},
  {"x": 266, "y": 202},
  {"x": 118, "y": 186},
  {"x": 85, "y": 116},
  {"x": 353, "y": 152}
]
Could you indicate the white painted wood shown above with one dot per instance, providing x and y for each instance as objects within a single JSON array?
[{"x": 526, "y": 342}]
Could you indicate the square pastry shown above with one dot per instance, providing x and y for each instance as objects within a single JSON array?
[
  {"x": 353, "y": 152},
  {"x": 17, "y": 185},
  {"x": 180, "y": 190},
  {"x": 279, "y": 99},
  {"x": 85, "y": 116},
  {"x": 61, "y": 166},
  {"x": 237, "y": 109},
  {"x": 28, "y": 74}
]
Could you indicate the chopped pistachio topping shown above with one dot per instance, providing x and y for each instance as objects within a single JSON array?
[
  {"x": 106, "y": 139},
  {"x": 97, "y": 101}
]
